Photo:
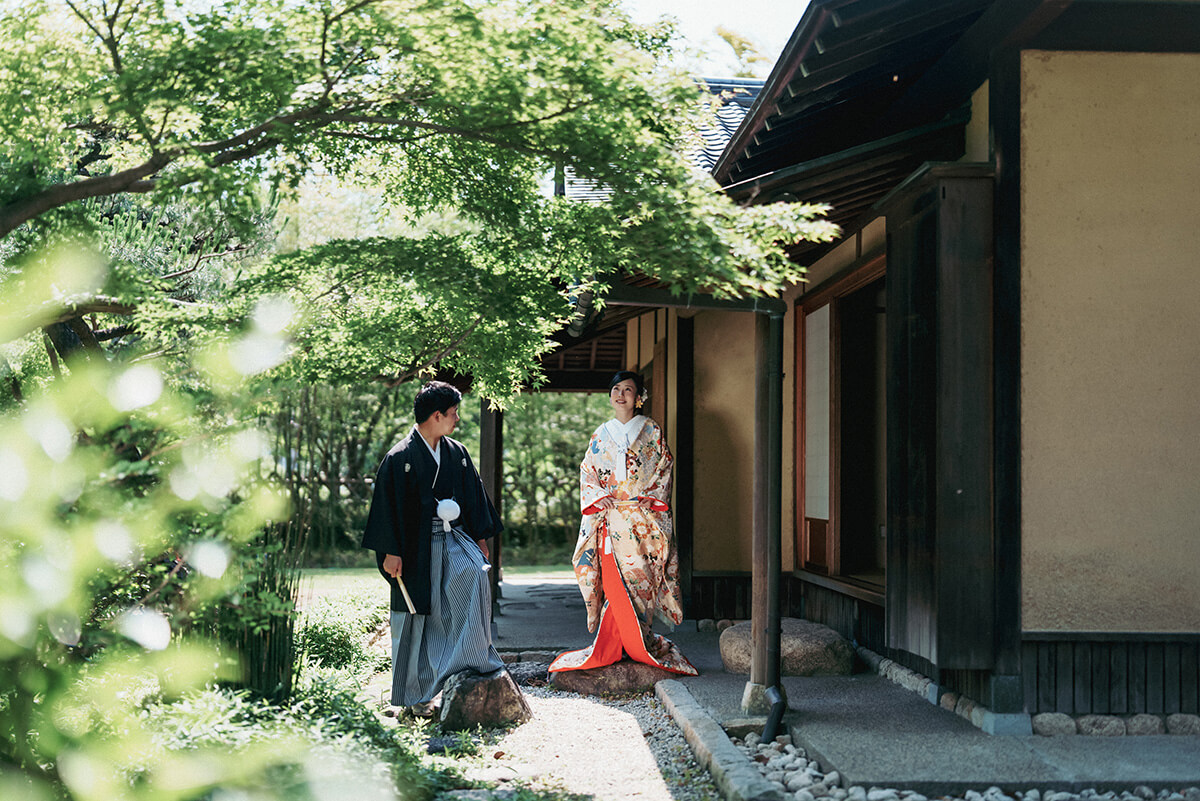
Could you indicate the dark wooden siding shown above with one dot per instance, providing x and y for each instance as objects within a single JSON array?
[
  {"x": 719, "y": 596},
  {"x": 1113, "y": 674},
  {"x": 855, "y": 619}
]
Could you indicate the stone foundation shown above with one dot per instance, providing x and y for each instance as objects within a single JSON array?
[{"x": 1049, "y": 724}]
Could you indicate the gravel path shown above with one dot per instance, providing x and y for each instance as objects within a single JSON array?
[{"x": 605, "y": 749}]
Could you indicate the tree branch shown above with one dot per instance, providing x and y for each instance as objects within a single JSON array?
[
  {"x": 71, "y": 311},
  {"x": 21, "y": 211},
  {"x": 465, "y": 133},
  {"x": 393, "y": 381}
]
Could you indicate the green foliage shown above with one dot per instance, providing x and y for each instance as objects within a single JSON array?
[
  {"x": 451, "y": 110},
  {"x": 388, "y": 309},
  {"x": 350, "y": 751},
  {"x": 335, "y": 634},
  {"x": 121, "y": 510},
  {"x": 544, "y": 440}
]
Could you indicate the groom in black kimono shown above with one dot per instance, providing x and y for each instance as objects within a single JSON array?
[{"x": 442, "y": 562}]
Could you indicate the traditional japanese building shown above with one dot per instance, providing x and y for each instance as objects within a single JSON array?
[{"x": 988, "y": 456}]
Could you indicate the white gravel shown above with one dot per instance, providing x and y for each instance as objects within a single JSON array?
[
  {"x": 786, "y": 766},
  {"x": 606, "y": 749}
]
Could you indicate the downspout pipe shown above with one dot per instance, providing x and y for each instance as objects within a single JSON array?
[{"x": 774, "y": 495}]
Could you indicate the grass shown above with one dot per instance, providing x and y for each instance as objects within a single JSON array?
[
  {"x": 325, "y": 582},
  {"x": 333, "y": 581},
  {"x": 539, "y": 571}
]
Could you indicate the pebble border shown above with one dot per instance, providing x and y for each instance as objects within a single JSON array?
[
  {"x": 736, "y": 777},
  {"x": 794, "y": 776},
  {"x": 1044, "y": 723}
]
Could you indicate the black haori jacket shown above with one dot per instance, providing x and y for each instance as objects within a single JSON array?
[{"x": 404, "y": 503}]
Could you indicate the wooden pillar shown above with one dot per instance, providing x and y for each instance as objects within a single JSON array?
[
  {"x": 768, "y": 490},
  {"x": 491, "y": 471}
]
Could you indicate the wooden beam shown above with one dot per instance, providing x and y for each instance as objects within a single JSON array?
[
  {"x": 964, "y": 66},
  {"x": 625, "y": 295}
]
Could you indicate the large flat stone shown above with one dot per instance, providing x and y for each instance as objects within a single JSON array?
[
  {"x": 619, "y": 678},
  {"x": 807, "y": 649}
]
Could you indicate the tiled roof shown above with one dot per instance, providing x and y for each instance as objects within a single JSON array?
[{"x": 733, "y": 98}]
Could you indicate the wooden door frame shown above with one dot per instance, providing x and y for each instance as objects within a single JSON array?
[{"x": 862, "y": 272}]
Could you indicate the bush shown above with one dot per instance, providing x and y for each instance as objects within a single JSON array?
[{"x": 336, "y": 632}]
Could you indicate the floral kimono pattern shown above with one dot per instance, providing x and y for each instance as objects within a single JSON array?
[{"x": 636, "y": 543}]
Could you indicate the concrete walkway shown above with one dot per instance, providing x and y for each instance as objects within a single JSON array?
[{"x": 870, "y": 730}]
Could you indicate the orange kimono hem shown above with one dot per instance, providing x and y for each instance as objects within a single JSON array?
[{"x": 619, "y": 631}]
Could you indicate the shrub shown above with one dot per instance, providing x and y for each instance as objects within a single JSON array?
[{"x": 336, "y": 632}]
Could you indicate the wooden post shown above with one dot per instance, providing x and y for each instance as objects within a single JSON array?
[
  {"x": 768, "y": 488},
  {"x": 491, "y": 471}
]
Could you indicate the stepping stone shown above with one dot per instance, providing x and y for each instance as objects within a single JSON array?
[
  {"x": 808, "y": 649},
  {"x": 620, "y": 678},
  {"x": 529, "y": 674},
  {"x": 492, "y": 700}
]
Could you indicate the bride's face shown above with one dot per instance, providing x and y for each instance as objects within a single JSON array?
[{"x": 623, "y": 398}]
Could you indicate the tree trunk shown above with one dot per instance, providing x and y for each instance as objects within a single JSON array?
[{"x": 9, "y": 377}]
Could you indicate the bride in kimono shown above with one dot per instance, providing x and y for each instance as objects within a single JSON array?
[{"x": 625, "y": 560}]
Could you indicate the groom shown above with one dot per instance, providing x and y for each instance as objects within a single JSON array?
[{"x": 441, "y": 562}]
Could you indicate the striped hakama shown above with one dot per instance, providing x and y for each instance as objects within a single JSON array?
[{"x": 456, "y": 634}]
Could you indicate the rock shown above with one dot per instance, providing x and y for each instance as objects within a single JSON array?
[
  {"x": 441, "y": 745},
  {"x": 509, "y": 657},
  {"x": 881, "y": 794},
  {"x": 833, "y": 778},
  {"x": 492, "y": 700},
  {"x": 538, "y": 656},
  {"x": 808, "y": 649},
  {"x": 964, "y": 708},
  {"x": 724, "y": 624},
  {"x": 1053, "y": 723},
  {"x": 619, "y": 678},
  {"x": 1141, "y": 725},
  {"x": 1183, "y": 724},
  {"x": 1142, "y": 791},
  {"x": 530, "y": 674},
  {"x": 857, "y": 793},
  {"x": 802, "y": 795},
  {"x": 743, "y": 727},
  {"x": 1101, "y": 726},
  {"x": 799, "y": 781},
  {"x": 994, "y": 793},
  {"x": 948, "y": 701},
  {"x": 708, "y": 624}
]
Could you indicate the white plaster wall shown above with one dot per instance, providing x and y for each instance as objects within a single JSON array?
[{"x": 1110, "y": 350}]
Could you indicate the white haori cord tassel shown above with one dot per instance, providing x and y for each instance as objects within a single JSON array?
[{"x": 448, "y": 510}]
